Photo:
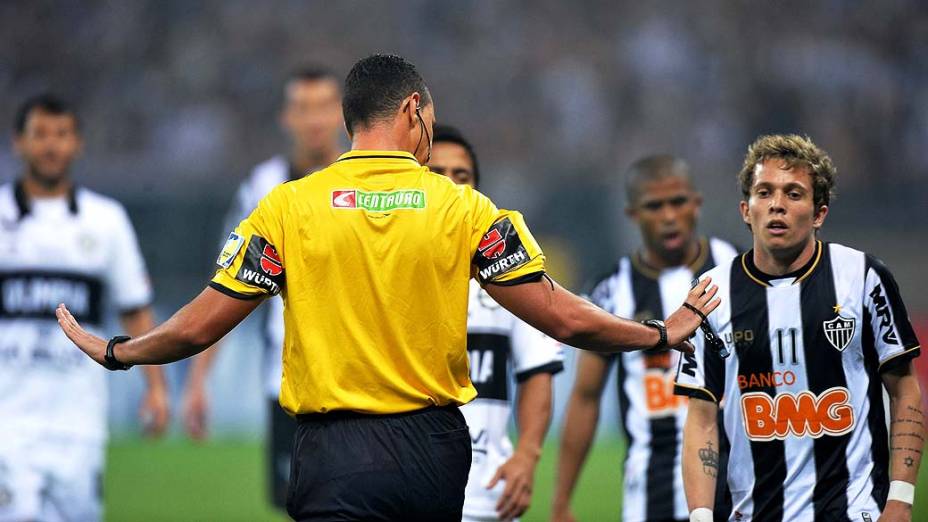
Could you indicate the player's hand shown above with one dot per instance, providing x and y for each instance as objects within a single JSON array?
[
  {"x": 90, "y": 344},
  {"x": 683, "y": 322},
  {"x": 519, "y": 474},
  {"x": 896, "y": 512},
  {"x": 154, "y": 412},
  {"x": 195, "y": 411}
]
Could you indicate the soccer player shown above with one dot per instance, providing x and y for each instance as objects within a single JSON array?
[
  {"x": 372, "y": 256},
  {"x": 816, "y": 330},
  {"x": 500, "y": 483},
  {"x": 312, "y": 119},
  {"x": 60, "y": 243},
  {"x": 650, "y": 284}
]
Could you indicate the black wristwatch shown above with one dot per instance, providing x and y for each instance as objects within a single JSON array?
[
  {"x": 111, "y": 362},
  {"x": 661, "y": 328}
]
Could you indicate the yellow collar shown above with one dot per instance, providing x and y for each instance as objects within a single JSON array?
[{"x": 377, "y": 155}]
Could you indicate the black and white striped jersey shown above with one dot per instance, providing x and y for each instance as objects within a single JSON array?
[
  {"x": 264, "y": 177},
  {"x": 80, "y": 250},
  {"x": 804, "y": 404},
  {"x": 652, "y": 416}
]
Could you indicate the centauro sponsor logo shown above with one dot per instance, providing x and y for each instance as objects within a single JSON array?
[
  {"x": 378, "y": 201},
  {"x": 802, "y": 414}
]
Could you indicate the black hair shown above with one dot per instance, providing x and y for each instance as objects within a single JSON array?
[
  {"x": 653, "y": 168},
  {"x": 375, "y": 87},
  {"x": 312, "y": 73},
  {"x": 44, "y": 102},
  {"x": 449, "y": 134}
]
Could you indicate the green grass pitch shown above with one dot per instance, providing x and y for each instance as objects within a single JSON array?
[{"x": 175, "y": 480}]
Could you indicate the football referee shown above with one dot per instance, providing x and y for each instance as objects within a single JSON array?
[{"x": 372, "y": 256}]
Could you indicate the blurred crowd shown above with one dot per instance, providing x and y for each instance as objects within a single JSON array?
[{"x": 178, "y": 99}]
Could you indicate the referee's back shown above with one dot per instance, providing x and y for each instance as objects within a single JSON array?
[{"x": 372, "y": 256}]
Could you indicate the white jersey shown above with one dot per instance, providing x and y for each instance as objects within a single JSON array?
[
  {"x": 652, "y": 416},
  {"x": 804, "y": 404},
  {"x": 496, "y": 341},
  {"x": 79, "y": 250},
  {"x": 264, "y": 177}
]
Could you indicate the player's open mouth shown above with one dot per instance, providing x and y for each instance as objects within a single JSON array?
[
  {"x": 777, "y": 227},
  {"x": 672, "y": 239}
]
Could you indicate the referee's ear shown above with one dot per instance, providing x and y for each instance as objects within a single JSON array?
[{"x": 408, "y": 108}]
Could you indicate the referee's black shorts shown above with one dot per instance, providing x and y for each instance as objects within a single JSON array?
[
  {"x": 410, "y": 466},
  {"x": 280, "y": 436}
]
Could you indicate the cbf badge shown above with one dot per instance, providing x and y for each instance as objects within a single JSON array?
[
  {"x": 230, "y": 250},
  {"x": 839, "y": 331}
]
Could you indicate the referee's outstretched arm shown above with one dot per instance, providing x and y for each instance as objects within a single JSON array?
[
  {"x": 575, "y": 321},
  {"x": 195, "y": 327},
  {"x": 545, "y": 305}
]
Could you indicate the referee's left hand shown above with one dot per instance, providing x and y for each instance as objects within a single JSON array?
[
  {"x": 682, "y": 323},
  {"x": 90, "y": 344},
  {"x": 519, "y": 474}
]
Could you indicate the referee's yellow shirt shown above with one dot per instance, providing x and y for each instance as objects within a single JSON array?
[{"x": 372, "y": 256}]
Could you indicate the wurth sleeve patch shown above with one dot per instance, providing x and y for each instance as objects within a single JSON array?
[
  {"x": 261, "y": 266},
  {"x": 507, "y": 253}
]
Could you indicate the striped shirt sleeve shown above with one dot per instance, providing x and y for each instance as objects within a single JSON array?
[
  {"x": 701, "y": 374},
  {"x": 534, "y": 352},
  {"x": 893, "y": 335},
  {"x": 692, "y": 379}
]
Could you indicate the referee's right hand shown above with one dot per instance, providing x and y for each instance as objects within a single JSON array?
[
  {"x": 682, "y": 324},
  {"x": 90, "y": 344}
]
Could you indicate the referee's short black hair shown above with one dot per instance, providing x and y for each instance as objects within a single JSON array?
[
  {"x": 376, "y": 86},
  {"x": 449, "y": 134},
  {"x": 45, "y": 102}
]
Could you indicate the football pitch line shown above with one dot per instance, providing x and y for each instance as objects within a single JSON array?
[{"x": 177, "y": 480}]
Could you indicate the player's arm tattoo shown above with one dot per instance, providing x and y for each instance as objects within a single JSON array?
[
  {"x": 908, "y": 421},
  {"x": 710, "y": 460},
  {"x": 908, "y": 435}
]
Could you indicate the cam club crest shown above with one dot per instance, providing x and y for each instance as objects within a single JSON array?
[{"x": 839, "y": 331}]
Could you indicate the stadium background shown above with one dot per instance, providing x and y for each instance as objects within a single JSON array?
[{"x": 178, "y": 100}]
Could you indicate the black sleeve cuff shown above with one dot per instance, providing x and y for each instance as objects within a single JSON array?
[
  {"x": 901, "y": 359},
  {"x": 553, "y": 367},
  {"x": 527, "y": 278},
  {"x": 232, "y": 293},
  {"x": 693, "y": 392}
]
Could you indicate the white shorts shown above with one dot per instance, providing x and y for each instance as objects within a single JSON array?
[{"x": 50, "y": 479}]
